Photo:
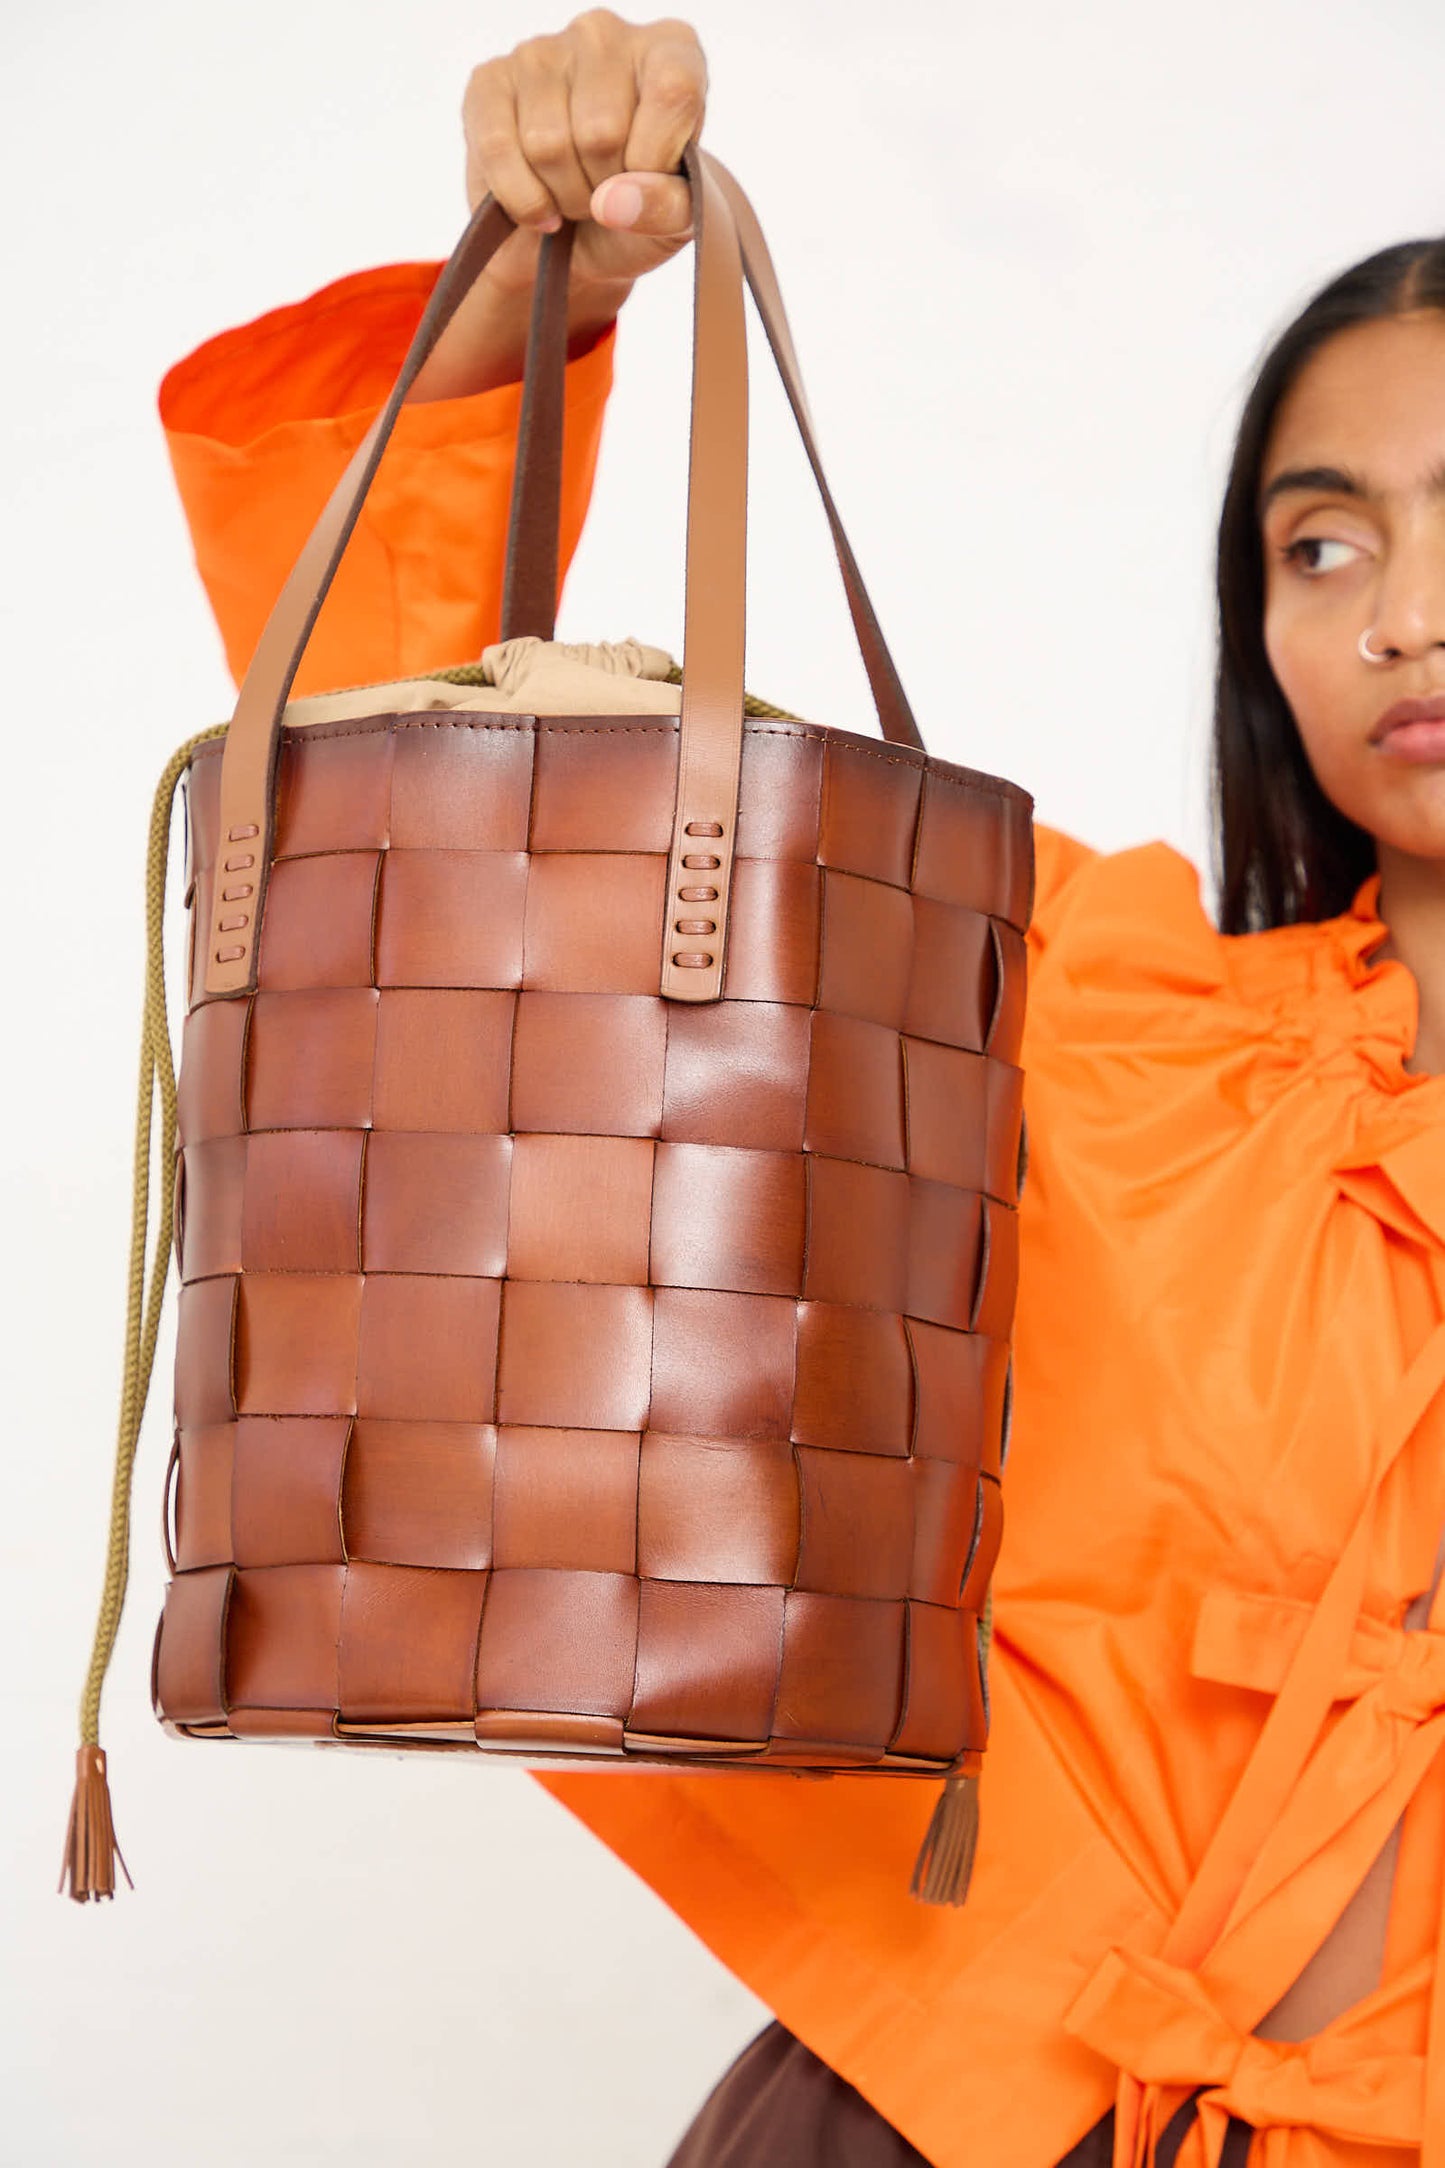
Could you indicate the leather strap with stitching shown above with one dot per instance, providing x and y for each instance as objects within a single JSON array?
[{"x": 710, "y": 729}]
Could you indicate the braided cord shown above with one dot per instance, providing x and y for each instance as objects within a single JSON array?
[{"x": 156, "y": 1072}]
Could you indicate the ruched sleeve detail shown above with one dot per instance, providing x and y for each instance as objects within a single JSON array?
[{"x": 1058, "y": 859}]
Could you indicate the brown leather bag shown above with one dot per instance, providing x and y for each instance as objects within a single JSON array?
[{"x": 596, "y": 1155}]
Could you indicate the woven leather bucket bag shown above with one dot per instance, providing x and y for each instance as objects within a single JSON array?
[{"x": 592, "y": 1178}]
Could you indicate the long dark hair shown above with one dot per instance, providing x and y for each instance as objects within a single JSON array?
[{"x": 1282, "y": 851}]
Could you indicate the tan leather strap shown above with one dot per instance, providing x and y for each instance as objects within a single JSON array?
[
  {"x": 532, "y": 580},
  {"x": 529, "y": 588},
  {"x": 248, "y": 767},
  {"x": 710, "y": 751},
  {"x": 895, "y": 716}
]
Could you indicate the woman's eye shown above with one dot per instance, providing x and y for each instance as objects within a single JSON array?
[{"x": 1296, "y": 552}]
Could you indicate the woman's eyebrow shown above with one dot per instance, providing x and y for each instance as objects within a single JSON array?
[{"x": 1338, "y": 481}]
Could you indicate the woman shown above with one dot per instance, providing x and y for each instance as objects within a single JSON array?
[{"x": 1208, "y": 1895}]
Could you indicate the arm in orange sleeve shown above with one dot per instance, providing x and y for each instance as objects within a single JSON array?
[{"x": 260, "y": 421}]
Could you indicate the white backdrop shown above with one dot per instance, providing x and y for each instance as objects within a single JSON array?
[{"x": 1031, "y": 254}]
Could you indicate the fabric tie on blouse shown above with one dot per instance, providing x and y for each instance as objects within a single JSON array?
[
  {"x": 1308, "y": 1818},
  {"x": 1178, "y": 2037}
]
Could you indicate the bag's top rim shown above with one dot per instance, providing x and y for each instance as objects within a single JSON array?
[{"x": 939, "y": 769}]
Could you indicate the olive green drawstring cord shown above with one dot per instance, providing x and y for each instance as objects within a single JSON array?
[{"x": 90, "y": 1836}]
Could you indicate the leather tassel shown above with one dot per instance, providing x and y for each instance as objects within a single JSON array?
[
  {"x": 90, "y": 1846},
  {"x": 944, "y": 1866}
]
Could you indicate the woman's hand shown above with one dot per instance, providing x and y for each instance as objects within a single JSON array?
[
  {"x": 550, "y": 124},
  {"x": 587, "y": 124}
]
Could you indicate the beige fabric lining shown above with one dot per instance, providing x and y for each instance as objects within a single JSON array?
[{"x": 526, "y": 676}]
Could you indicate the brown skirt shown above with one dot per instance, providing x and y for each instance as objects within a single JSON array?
[{"x": 779, "y": 2106}]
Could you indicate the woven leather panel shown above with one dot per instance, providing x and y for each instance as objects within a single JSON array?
[{"x": 570, "y": 1371}]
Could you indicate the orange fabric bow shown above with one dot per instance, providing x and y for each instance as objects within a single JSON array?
[{"x": 1157, "y": 2021}]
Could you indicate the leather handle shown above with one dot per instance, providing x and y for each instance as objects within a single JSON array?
[
  {"x": 710, "y": 737},
  {"x": 532, "y": 547},
  {"x": 895, "y": 716},
  {"x": 248, "y": 762},
  {"x": 529, "y": 581}
]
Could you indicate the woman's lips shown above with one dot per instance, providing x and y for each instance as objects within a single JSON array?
[
  {"x": 1420, "y": 741},
  {"x": 1412, "y": 729}
]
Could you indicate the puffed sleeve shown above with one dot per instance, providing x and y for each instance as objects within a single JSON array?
[
  {"x": 1058, "y": 859},
  {"x": 259, "y": 422}
]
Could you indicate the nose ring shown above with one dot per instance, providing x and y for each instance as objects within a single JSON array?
[{"x": 1366, "y": 651}]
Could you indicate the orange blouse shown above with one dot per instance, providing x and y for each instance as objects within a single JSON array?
[{"x": 1226, "y": 1481}]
